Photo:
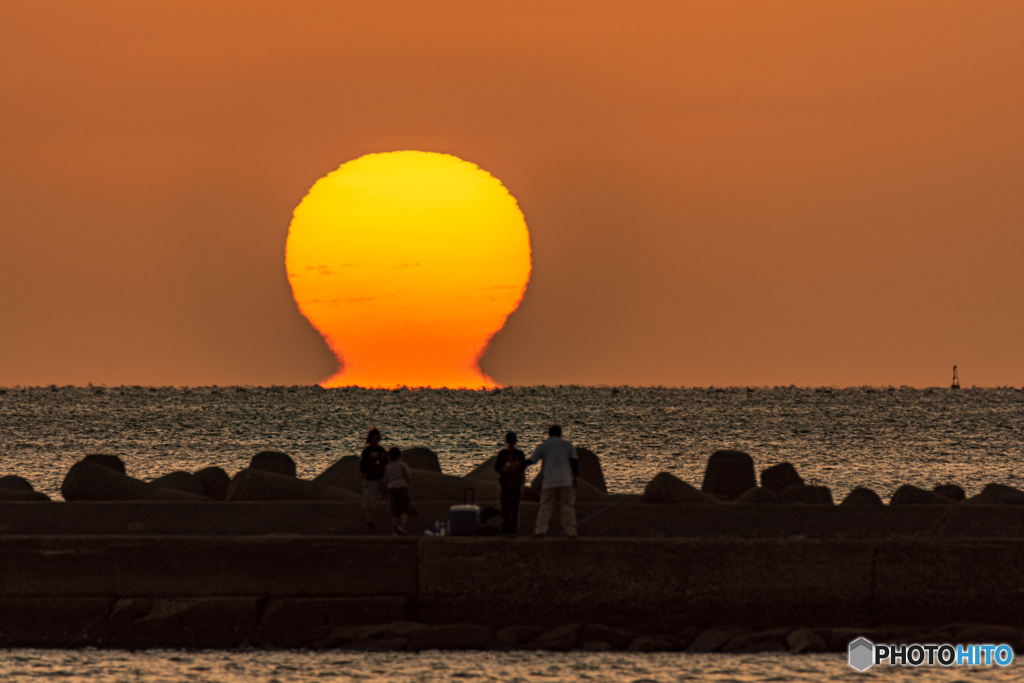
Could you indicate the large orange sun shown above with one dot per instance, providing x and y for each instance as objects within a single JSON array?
[{"x": 408, "y": 263}]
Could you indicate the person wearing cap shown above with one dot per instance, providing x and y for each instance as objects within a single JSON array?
[{"x": 511, "y": 465}]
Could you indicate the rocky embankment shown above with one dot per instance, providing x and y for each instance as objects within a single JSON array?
[
  {"x": 730, "y": 477},
  {"x": 307, "y": 624}
]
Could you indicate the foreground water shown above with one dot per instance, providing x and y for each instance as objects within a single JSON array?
[
  {"x": 841, "y": 438},
  {"x": 158, "y": 666}
]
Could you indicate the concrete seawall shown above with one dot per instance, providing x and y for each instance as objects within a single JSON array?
[
  {"x": 303, "y": 590},
  {"x": 305, "y": 574}
]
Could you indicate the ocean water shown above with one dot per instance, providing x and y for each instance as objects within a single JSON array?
[
  {"x": 163, "y": 666},
  {"x": 838, "y": 437},
  {"x": 842, "y": 438}
]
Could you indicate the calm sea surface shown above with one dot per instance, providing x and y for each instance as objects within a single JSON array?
[{"x": 841, "y": 438}]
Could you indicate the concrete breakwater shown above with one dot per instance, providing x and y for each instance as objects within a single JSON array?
[
  {"x": 265, "y": 559},
  {"x": 320, "y": 591}
]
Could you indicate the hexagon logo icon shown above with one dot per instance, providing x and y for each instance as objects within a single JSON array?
[{"x": 862, "y": 654}]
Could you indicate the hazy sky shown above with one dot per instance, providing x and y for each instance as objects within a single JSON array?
[{"x": 727, "y": 193}]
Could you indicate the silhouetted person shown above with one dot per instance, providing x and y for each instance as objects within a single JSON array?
[
  {"x": 560, "y": 469},
  {"x": 397, "y": 475},
  {"x": 511, "y": 465},
  {"x": 374, "y": 460}
]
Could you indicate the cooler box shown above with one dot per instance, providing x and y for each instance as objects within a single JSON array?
[{"x": 464, "y": 520}]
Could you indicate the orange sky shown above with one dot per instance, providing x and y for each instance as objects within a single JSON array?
[{"x": 727, "y": 193}]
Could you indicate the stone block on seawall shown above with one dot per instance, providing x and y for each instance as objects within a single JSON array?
[
  {"x": 180, "y": 481},
  {"x": 109, "y": 461},
  {"x": 259, "y": 485},
  {"x": 807, "y": 495},
  {"x": 840, "y": 638},
  {"x": 728, "y": 475},
  {"x": 343, "y": 474},
  {"x": 590, "y": 469},
  {"x": 998, "y": 494},
  {"x": 683, "y": 639},
  {"x": 862, "y": 496},
  {"x": 421, "y": 458},
  {"x": 13, "y": 482},
  {"x": 484, "y": 470},
  {"x": 515, "y": 637},
  {"x": 951, "y": 491},
  {"x": 298, "y": 622},
  {"x": 759, "y": 495},
  {"x": 215, "y": 482},
  {"x": 771, "y": 640},
  {"x": 452, "y": 637},
  {"x": 668, "y": 488},
  {"x": 652, "y": 644},
  {"x": 337, "y": 636},
  {"x": 618, "y": 639},
  {"x": 426, "y": 484},
  {"x": 983, "y": 634},
  {"x": 585, "y": 491},
  {"x": 127, "y": 610},
  {"x": 589, "y": 466},
  {"x": 273, "y": 461},
  {"x": 88, "y": 481},
  {"x": 805, "y": 640},
  {"x": 435, "y": 486},
  {"x": 780, "y": 477},
  {"x": 395, "y": 644},
  {"x": 401, "y": 627},
  {"x": 561, "y": 638},
  {"x": 714, "y": 639},
  {"x": 212, "y": 622},
  {"x": 54, "y": 622},
  {"x": 911, "y": 495}
]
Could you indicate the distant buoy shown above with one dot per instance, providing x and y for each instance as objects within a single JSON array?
[{"x": 956, "y": 380}]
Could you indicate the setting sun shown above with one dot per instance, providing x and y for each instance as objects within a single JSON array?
[{"x": 407, "y": 263}]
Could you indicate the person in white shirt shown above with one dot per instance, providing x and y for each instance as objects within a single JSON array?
[{"x": 560, "y": 469}]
